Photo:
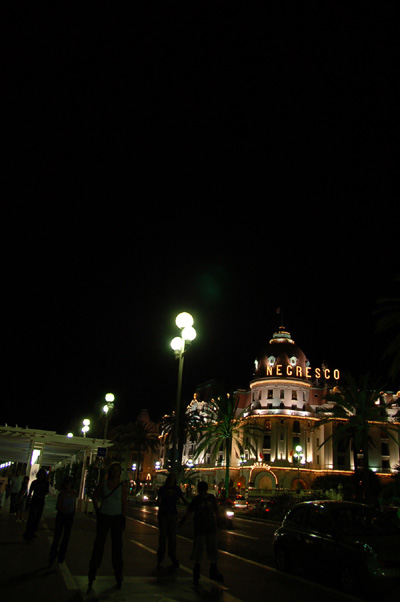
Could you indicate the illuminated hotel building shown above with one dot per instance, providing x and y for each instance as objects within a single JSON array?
[{"x": 285, "y": 400}]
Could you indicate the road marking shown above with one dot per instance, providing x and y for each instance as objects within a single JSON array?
[
  {"x": 262, "y": 566},
  {"x": 242, "y": 535},
  {"x": 142, "y": 522},
  {"x": 142, "y": 546}
]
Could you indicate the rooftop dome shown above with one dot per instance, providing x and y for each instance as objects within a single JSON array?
[{"x": 282, "y": 358}]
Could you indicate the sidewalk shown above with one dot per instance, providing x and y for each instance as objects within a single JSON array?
[{"x": 24, "y": 572}]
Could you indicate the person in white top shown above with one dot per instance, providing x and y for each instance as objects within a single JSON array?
[
  {"x": 15, "y": 486},
  {"x": 112, "y": 495}
]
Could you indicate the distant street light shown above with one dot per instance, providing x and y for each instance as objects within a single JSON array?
[
  {"x": 85, "y": 427},
  {"x": 184, "y": 321},
  {"x": 298, "y": 454},
  {"x": 110, "y": 398}
]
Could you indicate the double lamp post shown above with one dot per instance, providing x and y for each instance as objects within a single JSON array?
[{"x": 184, "y": 322}]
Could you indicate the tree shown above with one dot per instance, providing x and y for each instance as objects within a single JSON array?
[
  {"x": 224, "y": 430},
  {"x": 192, "y": 424},
  {"x": 138, "y": 437},
  {"x": 358, "y": 406}
]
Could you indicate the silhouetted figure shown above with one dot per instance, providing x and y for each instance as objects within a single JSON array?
[
  {"x": 3, "y": 487},
  {"x": 110, "y": 515},
  {"x": 20, "y": 504},
  {"x": 35, "y": 502},
  {"x": 15, "y": 486},
  {"x": 66, "y": 503},
  {"x": 204, "y": 508},
  {"x": 168, "y": 496}
]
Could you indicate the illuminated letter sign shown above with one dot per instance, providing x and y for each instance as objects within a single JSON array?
[{"x": 297, "y": 371}]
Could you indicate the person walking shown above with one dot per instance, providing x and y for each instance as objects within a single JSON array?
[
  {"x": 112, "y": 495},
  {"x": 20, "y": 504},
  {"x": 168, "y": 496},
  {"x": 35, "y": 502},
  {"x": 204, "y": 508},
  {"x": 15, "y": 486},
  {"x": 65, "y": 507}
]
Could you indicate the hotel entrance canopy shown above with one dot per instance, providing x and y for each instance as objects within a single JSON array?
[{"x": 17, "y": 445}]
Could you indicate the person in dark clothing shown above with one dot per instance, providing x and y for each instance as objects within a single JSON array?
[
  {"x": 167, "y": 499},
  {"x": 21, "y": 500},
  {"x": 66, "y": 502},
  {"x": 37, "y": 493},
  {"x": 204, "y": 508}
]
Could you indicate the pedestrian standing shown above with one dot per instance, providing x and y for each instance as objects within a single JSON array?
[
  {"x": 168, "y": 496},
  {"x": 111, "y": 494},
  {"x": 20, "y": 504},
  {"x": 65, "y": 507},
  {"x": 15, "y": 486},
  {"x": 35, "y": 502},
  {"x": 3, "y": 487},
  {"x": 204, "y": 508}
]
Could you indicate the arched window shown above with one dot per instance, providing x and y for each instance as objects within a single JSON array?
[{"x": 296, "y": 426}]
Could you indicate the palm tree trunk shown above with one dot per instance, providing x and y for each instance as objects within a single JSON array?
[
  {"x": 356, "y": 473},
  {"x": 366, "y": 479},
  {"x": 138, "y": 469},
  {"x": 227, "y": 466}
]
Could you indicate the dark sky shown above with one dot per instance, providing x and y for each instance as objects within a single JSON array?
[{"x": 222, "y": 162}]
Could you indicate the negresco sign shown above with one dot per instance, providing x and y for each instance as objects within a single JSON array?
[{"x": 299, "y": 372}]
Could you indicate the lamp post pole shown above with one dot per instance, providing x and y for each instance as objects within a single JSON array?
[
  {"x": 106, "y": 409},
  {"x": 184, "y": 321}
]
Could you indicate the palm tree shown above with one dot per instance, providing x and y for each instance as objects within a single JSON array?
[
  {"x": 224, "y": 430},
  {"x": 139, "y": 437},
  {"x": 358, "y": 407},
  {"x": 191, "y": 425}
]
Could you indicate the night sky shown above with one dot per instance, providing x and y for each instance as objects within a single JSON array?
[{"x": 221, "y": 162}]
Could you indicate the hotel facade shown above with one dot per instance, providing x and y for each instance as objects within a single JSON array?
[{"x": 282, "y": 407}]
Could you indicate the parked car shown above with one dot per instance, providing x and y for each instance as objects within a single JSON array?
[
  {"x": 145, "y": 497},
  {"x": 353, "y": 544},
  {"x": 226, "y": 513}
]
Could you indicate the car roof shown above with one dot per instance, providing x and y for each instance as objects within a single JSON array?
[{"x": 331, "y": 503}]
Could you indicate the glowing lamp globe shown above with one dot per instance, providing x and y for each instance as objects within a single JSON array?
[
  {"x": 184, "y": 319},
  {"x": 176, "y": 344},
  {"x": 189, "y": 333},
  {"x": 110, "y": 397}
]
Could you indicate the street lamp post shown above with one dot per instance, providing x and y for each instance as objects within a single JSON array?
[
  {"x": 298, "y": 454},
  {"x": 106, "y": 409},
  {"x": 184, "y": 321},
  {"x": 85, "y": 427}
]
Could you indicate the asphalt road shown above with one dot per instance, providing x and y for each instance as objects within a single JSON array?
[
  {"x": 246, "y": 560},
  {"x": 252, "y": 540}
]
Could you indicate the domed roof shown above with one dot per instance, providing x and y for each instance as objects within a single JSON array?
[{"x": 282, "y": 358}]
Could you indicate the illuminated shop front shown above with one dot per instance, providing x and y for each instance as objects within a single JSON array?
[{"x": 285, "y": 401}]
